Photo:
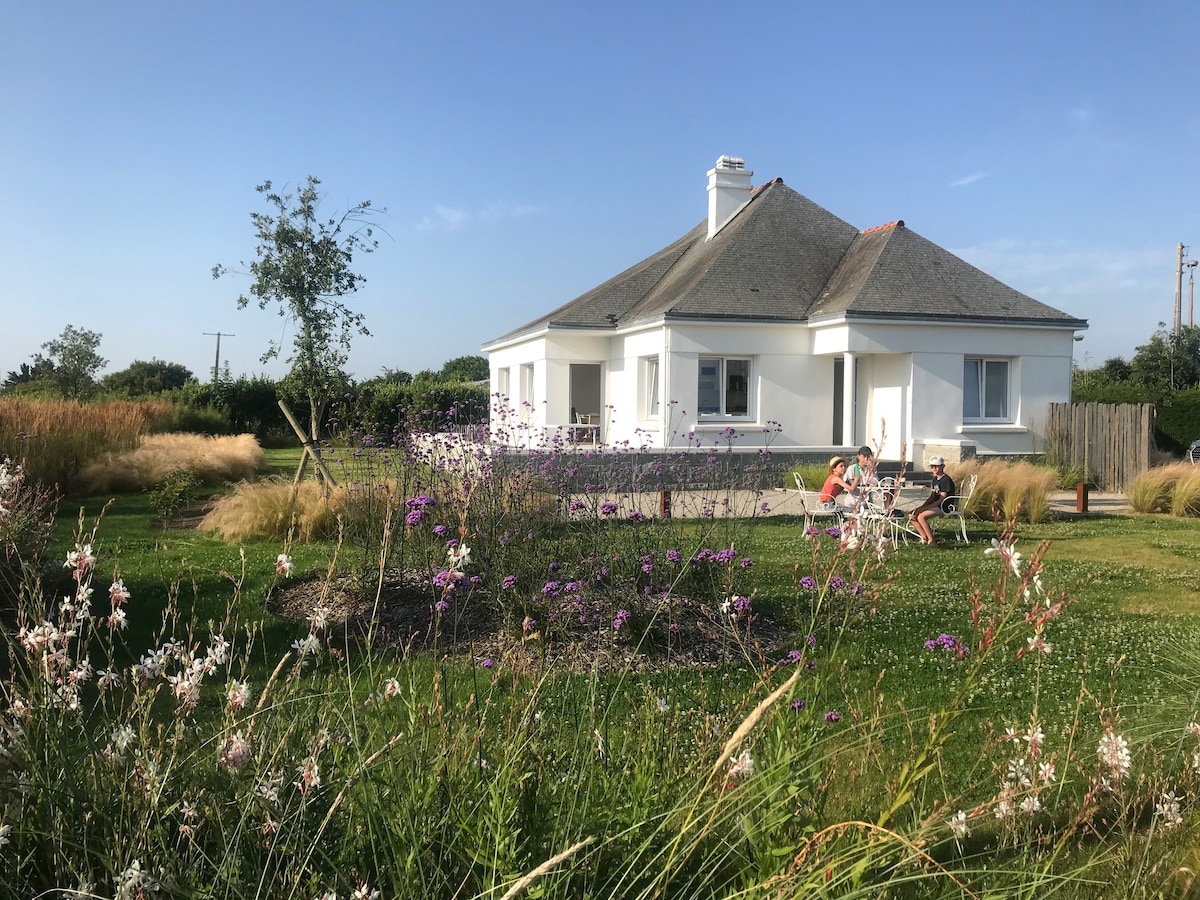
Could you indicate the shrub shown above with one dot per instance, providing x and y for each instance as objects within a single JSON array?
[
  {"x": 175, "y": 492},
  {"x": 27, "y": 511},
  {"x": 213, "y": 461}
]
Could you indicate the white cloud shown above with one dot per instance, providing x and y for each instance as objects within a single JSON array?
[
  {"x": 970, "y": 179},
  {"x": 454, "y": 218}
]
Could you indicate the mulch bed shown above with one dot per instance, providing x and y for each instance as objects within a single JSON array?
[{"x": 402, "y": 618}]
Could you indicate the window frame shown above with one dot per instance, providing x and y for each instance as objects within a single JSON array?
[
  {"x": 724, "y": 387},
  {"x": 651, "y": 376},
  {"x": 983, "y": 384}
]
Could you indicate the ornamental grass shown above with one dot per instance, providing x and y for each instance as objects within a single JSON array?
[
  {"x": 56, "y": 439},
  {"x": 1155, "y": 490},
  {"x": 212, "y": 460},
  {"x": 1009, "y": 491}
]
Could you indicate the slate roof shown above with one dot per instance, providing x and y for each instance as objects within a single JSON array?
[{"x": 784, "y": 258}]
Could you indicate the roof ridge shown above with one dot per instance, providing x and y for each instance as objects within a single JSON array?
[
  {"x": 899, "y": 222},
  {"x": 754, "y": 191}
]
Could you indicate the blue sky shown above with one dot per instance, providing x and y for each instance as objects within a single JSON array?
[{"x": 525, "y": 152}]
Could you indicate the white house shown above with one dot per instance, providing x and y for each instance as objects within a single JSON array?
[{"x": 777, "y": 319}]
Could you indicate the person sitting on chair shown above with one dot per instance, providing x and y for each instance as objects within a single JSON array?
[
  {"x": 941, "y": 490},
  {"x": 836, "y": 484},
  {"x": 861, "y": 476}
]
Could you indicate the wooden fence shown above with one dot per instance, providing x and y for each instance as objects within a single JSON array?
[{"x": 1110, "y": 441}]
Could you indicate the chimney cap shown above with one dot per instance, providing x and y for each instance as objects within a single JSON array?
[{"x": 730, "y": 162}]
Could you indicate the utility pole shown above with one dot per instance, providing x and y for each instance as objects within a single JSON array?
[
  {"x": 1178, "y": 289},
  {"x": 219, "y": 335}
]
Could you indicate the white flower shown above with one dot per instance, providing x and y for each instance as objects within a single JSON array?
[
  {"x": 1035, "y": 737},
  {"x": 663, "y": 705},
  {"x": 742, "y": 767},
  {"x": 238, "y": 694},
  {"x": 309, "y": 645},
  {"x": 283, "y": 564},
  {"x": 391, "y": 688},
  {"x": 117, "y": 592},
  {"x": 1007, "y": 552},
  {"x": 1004, "y": 808},
  {"x": 958, "y": 825},
  {"x": 1036, "y": 644},
  {"x": 81, "y": 558},
  {"x": 5, "y": 831},
  {"x": 1046, "y": 773},
  {"x": 310, "y": 775},
  {"x": 117, "y": 620},
  {"x": 460, "y": 556},
  {"x": 364, "y": 892},
  {"x": 235, "y": 751},
  {"x": 1167, "y": 810},
  {"x": 1114, "y": 754},
  {"x": 1030, "y": 805},
  {"x": 318, "y": 618},
  {"x": 122, "y": 737}
]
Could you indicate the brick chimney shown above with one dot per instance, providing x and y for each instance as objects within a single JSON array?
[{"x": 728, "y": 191}]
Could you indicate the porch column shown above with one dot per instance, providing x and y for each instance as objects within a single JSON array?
[{"x": 848, "y": 399}]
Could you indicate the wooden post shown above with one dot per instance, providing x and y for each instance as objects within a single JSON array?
[
  {"x": 310, "y": 449},
  {"x": 664, "y": 504}
]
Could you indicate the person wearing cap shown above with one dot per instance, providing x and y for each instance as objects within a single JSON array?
[
  {"x": 861, "y": 473},
  {"x": 940, "y": 492},
  {"x": 836, "y": 484}
]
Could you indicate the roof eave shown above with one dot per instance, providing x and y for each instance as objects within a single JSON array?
[{"x": 1067, "y": 324}]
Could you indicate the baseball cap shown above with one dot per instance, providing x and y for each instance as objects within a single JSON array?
[{"x": 936, "y": 461}]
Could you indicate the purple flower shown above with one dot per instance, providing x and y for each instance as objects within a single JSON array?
[
  {"x": 674, "y": 626},
  {"x": 764, "y": 508},
  {"x": 647, "y": 568},
  {"x": 741, "y": 604},
  {"x": 442, "y": 606},
  {"x": 674, "y": 556},
  {"x": 487, "y": 662},
  {"x": 440, "y": 530},
  {"x": 837, "y": 582},
  {"x": 746, "y": 562},
  {"x": 833, "y": 531},
  {"x": 576, "y": 505},
  {"x": 420, "y": 502},
  {"x": 476, "y": 580},
  {"x": 833, "y": 716},
  {"x": 446, "y": 579},
  {"x": 554, "y": 566},
  {"x": 551, "y": 589},
  {"x": 607, "y": 508},
  {"x": 808, "y": 582},
  {"x": 415, "y": 517},
  {"x": 510, "y": 582},
  {"x": 798, "y": 703},
  {"x": 622, "y": 617},
  {"x": 573, "y": 587},
  {"x": 636, "y": 516},
  {"x": 811, "y": 640},
  {"x": 812, "y": 531}
]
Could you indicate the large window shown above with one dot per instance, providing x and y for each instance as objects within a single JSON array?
[
  {"x": 723, "y": 388},
  {"x": 650, "y": 387},
  {"x": 985, "y": 390}
]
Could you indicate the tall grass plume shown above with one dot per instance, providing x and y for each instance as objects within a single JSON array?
[{"x": 213, "y": 460}]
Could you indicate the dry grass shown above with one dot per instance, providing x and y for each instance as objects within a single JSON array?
[
  {"x": 1009, "y": 489},
  {"x": 214, "y": 460},
  {"x": 275, "y": 508},
  {"x": 57, "y": 438},
  {"x": 1173, "y": 489}
]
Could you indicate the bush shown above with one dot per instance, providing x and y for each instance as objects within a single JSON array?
[{"x": 177, "y": 491}]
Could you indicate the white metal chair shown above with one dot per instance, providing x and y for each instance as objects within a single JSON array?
[
  {"x": 811, "y": 503},
  {"x": 956, "y": 506}
]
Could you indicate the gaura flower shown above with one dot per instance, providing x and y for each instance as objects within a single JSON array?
[{"x": 283, "y": 564}]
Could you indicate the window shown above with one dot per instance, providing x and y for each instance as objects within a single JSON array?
[
  {"x": 526, "y": 392},
  {"x": 502, "y": 383},
  {"x": 650, "y": 387},
  {"x": 985, "y": 390},
  {"x": 723, "y": 388}
]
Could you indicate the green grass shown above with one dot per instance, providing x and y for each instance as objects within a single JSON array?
[{"x": 471, "y": 769}]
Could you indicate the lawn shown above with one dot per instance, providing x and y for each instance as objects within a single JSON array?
[{"x": 369, "y": 766}]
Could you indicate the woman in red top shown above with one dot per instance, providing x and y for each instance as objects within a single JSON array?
[{"x": 836, "y": 483}]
